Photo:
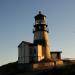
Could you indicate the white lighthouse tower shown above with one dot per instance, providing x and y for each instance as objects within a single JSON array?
[{"x": 41, "y": 46}]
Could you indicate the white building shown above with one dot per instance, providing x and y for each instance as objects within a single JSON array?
[{"x": 25, "y": 52}]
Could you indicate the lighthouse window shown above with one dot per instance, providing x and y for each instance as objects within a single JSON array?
[
  {"x": 40, "y": 34},
  {"x": 34, "y": 51},
  {"x": 37, "y": 22},
  {"x": 39, "y": 27},
  {"x": 42, "y": 22}
]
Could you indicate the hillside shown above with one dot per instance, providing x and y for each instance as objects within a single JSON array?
[{"x": 12, "y": 69}]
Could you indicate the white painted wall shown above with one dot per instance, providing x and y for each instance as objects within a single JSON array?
[
  {"x": 26, "y": 55},
  {"x": 39, "y": 53},
  {"x": 23, "y": 53}
]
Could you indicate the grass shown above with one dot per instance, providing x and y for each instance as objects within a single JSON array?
[{"x": 12, "y": 69}]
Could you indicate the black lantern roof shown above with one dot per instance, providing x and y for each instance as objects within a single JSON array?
[{"x": 39, "y": 16}]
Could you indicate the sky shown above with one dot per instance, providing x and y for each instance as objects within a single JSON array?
[{"x": 17, "y": 20}]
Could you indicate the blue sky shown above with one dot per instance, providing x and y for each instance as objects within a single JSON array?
[{"x": 16, "y": 24}]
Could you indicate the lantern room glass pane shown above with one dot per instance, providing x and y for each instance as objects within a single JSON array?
[{"x": 40, "y": 22}]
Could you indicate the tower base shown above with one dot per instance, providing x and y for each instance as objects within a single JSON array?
[{"x": 40, "y": 65}]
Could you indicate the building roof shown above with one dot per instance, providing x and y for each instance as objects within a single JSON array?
[
  {"x": 25, "y": 42},
  {"x": 56, "y": 51}
]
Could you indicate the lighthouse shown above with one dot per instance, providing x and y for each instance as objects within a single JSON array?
[
  {"x": 38, "y": 55},
  {"x": 40, "y": 40}
]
